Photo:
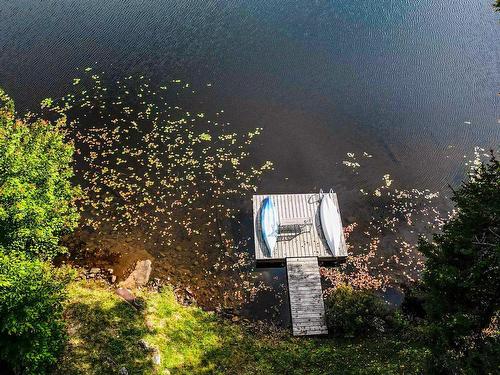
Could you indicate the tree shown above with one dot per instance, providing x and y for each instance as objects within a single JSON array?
[
  {"x": 462, "y": 276},
  {"x": 36, "y": 195},
  {"x": 32, "y": 332}
]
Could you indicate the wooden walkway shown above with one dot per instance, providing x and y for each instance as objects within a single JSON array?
[{"x": 306, "y": 296}]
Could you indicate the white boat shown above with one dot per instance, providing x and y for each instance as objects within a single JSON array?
[
  {"x": 331, "y": 224},
  {"x": 269, "y": 222}
]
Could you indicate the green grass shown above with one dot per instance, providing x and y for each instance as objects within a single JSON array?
[{"x": 105, "y": 331}]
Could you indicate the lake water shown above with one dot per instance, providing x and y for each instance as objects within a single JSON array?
[{"x": 414, "y": 83}]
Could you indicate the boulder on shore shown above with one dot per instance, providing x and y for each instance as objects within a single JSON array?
[
  {"x": 139, "y": 276},
  {"x": 127, "y": 295}
]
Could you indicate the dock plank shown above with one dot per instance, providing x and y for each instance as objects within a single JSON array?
[{"x": 306, "y": 296}]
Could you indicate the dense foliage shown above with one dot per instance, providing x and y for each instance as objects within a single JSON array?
[
  {"x": 36, "y": 208},
  {"x": 462, "y": 277},
  {"x": 32, "y": 333},
  {"x": 36, "y": 194},
  {"x": 351, "y": 312}
]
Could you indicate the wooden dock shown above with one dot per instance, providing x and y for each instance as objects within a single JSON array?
[
  {"x": 306, "y": 297},
  {"x": 295, "y": 210},
  {"x": 301, "y": 244}
]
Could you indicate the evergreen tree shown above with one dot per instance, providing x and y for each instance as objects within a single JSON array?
[{"x": 462, "y": 277}]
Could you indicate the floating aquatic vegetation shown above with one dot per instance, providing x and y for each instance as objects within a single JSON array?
[
  {"x": 351, "y": 161},
  {"x": 382, "y": 250},
  {"x": 157, "y": 167},
  {"x": 141, "y": 158}
]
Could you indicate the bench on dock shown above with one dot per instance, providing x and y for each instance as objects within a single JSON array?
[{"x": 293, "y": 227}]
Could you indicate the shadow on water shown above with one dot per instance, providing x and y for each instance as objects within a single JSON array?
[{"x": 271, "y": 303}]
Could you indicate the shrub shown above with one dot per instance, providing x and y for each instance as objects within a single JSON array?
[
  {"x": 32, "y": 333},
  {"x": 351, "y": 312},
  {"x": 36, "y": 195}
]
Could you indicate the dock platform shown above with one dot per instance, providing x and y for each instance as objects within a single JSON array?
[
  {"x": 295, "y": 210},
  {"x": 301, "y": 245}
]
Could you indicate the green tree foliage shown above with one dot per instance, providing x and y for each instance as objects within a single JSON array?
[
  {"x": 36, "y": 195},
  {"x": 32, "y": 333},
  {"x": 462, "y": 277},
  {"x": 351, "y": 312}
]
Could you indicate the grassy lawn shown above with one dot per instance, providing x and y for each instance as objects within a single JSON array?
[{"x": 105, "y": 333}]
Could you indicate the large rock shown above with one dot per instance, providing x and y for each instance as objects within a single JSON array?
[
  {"x": 139, "y": 276},
  {"x": 127, "y": 295}
]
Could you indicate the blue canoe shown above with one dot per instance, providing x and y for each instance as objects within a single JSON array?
[{"x": 270, "y": 223}]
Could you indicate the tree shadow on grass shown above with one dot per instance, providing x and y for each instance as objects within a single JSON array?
[
  {"x": 103, "y": 338},
  {"x": 105, "y": 334},
  {"x": 242, "y": 351}
]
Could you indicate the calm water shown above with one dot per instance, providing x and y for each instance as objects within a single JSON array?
[
  {"x": 396, "y": 78},
  {"x": 415, "y": 83}
]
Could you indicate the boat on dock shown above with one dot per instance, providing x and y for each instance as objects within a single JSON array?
[
  {"x": 331, "y": 224},
  {"x": 269, "y": 222}
]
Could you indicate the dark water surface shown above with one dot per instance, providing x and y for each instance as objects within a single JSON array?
[
  {"x": 414, "y": 83},
  {"x": 398, "y": 79}
]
